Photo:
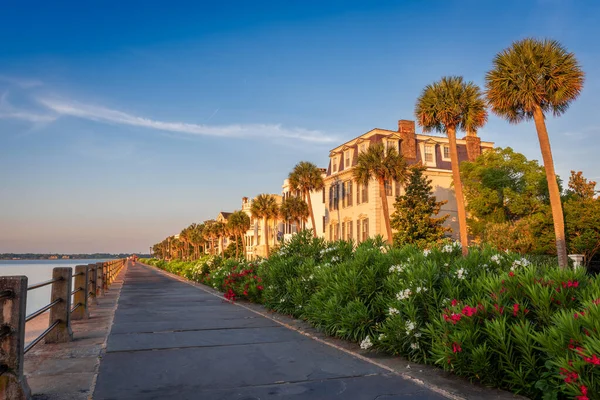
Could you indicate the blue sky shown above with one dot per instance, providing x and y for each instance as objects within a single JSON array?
[{"x": 123, "y": 122}]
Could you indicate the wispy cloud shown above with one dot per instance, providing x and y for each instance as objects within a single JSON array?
[
  {"x": 24, "y": 83},
  {"x": 7, "y": 111},
  {"x": 107, "y": 115}
]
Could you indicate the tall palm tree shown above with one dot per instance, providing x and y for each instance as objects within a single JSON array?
[
  {"x": 383, "y": 166},
  {"x": 305, "y": 178},
  {"x": 294, "y": 210},
  {"x": 220, "y": 232},
  {"x": 528, "y": 80},
  {"x": 264, "y": 207},
  {"x": 185, "y": 242},
  {"x": 445, "y": 106},
  {"x": 239, "y": 223},
  {"x": 209, "y": 234}
]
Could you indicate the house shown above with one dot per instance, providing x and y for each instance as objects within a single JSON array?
[
  {"x": 354, "y": 211},
  {"x": 224, "y": 242}
]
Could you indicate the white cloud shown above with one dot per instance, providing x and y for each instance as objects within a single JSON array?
[
  {"x": 27, "y": 116},
  {"x": 107, "y": 115}
]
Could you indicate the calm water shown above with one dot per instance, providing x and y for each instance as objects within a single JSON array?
[{"x": 37, "y": 271}]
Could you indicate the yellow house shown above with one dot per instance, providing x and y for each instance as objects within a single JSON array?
[
  {"x": 317, "y": 199},
  {"x": 354, "y": 211}
]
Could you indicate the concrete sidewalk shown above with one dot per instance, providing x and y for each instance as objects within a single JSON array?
[{"x": 171, "y": 340}]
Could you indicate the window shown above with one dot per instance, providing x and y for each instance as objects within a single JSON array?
[
  {"x": 334, "y": 160},
  {"x": 348, "y": 159},
  {"x": 323, "y": 224},
  {"x": 337, "y": 231},
  {"x": 428, "y": 153},
  {"x": 331, "y": 232},
  {"x": 323, "y": 194},
  {"x": 349, "y": 232},
  {"x": 362, "y": 148},
  {"x": 446, "y": 152},
  {"x": 365, "y": 193},
  {"x": 343, "y": 230},
  {"x": 347, "y": 194},
  {"x": 365, "y": 228},
  {"x": 358, "y": 231},
  {"x": 388, "y": 187},
  {"x": 391, "y": 144}
]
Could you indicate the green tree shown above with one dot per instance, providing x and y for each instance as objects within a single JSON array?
[
  {"x": 305, "y": 178},
  {"x": 528, "y": 80},
  {"x": 445, "y": 106},
  {"x": 238, "y": 223},
  {"x": 220, "y": 231},
  {"x": 294, "y": 210},
  {"x": 264, "y": 206},
  {"x": 502, "y": 186},
  {"x": 414, "y": 216},
  {"x": 383, "y": 166}
]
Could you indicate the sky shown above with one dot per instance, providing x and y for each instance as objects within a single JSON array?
[{"x": 123, "y": 122}]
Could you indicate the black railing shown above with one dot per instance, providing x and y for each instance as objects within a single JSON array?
[{"x": 90, "y": 281}]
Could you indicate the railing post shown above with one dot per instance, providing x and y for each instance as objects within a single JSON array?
[
  {"x": 99, "y": 279},
  {"x": 81, "y": 282},
  {"x": 92, "y": 284},
  {"x": 13, "y": 384},
  {"x": 62, "y": 311},
  {"x": 104, "y": 277}
]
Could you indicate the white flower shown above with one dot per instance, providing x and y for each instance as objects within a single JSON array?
[
  {"x": 519, "y": 263},
  {"x": 496, "y": 258},
  {"x": 426, "y": 252},
  {"x": 446, "y": 264},
  {"x": 383, "y": 249},
  {"x": 366, "y": 343},
  {"x": 447, "y": 248},
  {"x": 382, "y": 337},
  {"x": 418, "y": 334},
  {"x": 460, "y": 274},
  {"x": 421, "y": 289},
  {"x": 403, "y": 295},
  {"x": 410, "y": 326},
  {"x": 393, "y": 311},
  {"x": 414, "y": 346},
  {"x": 396, "y": 268},
  {"x": 334, "y": 258}
]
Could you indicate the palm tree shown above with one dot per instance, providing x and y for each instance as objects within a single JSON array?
[
  {"x": 305, "y": 178},
  {"x": 220, "y": 232},
  {"x": 294, "y": 209},
  {"x": 383, "y": 166},
  {"x": 209, "y": 234},
  {"x": 528, "y": 80},
  {"x": 264, "y": 206},
  {"x": 445, "y": 106},
  {"x": 238, "y": 223}
]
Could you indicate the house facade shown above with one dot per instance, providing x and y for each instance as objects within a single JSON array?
[
  {"x": 255, "y": 237},
  {"x": 354, "y": 211}
]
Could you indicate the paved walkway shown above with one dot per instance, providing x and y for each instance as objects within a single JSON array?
[{"x": 171, "y": 340}]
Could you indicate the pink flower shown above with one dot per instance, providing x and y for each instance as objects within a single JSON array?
[
  {"x": 469, "y": 311},
  {"x": 592, "y": 360},
  {"x": 515, "y": 309},
  {"x": 456, "y": 347},
  {"x": 454, "y": 302}
]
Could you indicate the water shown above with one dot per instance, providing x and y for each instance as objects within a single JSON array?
[{"x": 38, "y": 271}]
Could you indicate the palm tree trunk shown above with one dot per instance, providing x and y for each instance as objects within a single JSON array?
[
  {"x": 553, "y": 191},
  {"x": 386, "y": 211},
  {"x": 237, "y": 246},
  {"x": 266, "y": 236},
  {"x": 312, "y": 214},
  {"x": 460, "y": 200}
]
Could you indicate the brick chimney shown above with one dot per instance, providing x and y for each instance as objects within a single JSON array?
[{"x": 406, "y": 129}]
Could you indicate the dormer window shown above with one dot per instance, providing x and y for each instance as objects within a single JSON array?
[
  {"x": 428, "y": 153},
  {"x": 391, "y": 144},
  {"x": 335, "y": 165},
  {"x": 446, "y": 152},
  {"x": 348, "y": 158},
  {"x": 362, "y": 148}
]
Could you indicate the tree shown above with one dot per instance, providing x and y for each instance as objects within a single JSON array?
[
  {"x": 414, "y": 216},
  {"x": 383, "y": 166},
  {"x": 445, "y": 106},
  {"x": 528, "y": 80},
  {"x": 502, "y": 186},
  {"x": 264, "y": 207},
  {"x": 220, "y": 231},
  {"x": 294, "y": 210},
  {"x": 580, "y": 187},
  {"x": 305, "y": 178},
  {"x": 239, "y": 223}
]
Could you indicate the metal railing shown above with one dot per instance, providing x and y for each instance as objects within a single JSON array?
[{"x": 90, "y": 281}]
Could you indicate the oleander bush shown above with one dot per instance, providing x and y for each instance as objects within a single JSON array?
[{"x": 498, "y": 318}]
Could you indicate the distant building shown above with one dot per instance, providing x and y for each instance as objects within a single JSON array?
[
  {"x": 255, "y": 236},
  {"x": 224, "y": 242},
  {"x": 354, "y": 211}
]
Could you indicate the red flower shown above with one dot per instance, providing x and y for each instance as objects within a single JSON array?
[
  {"x": 511, "y": 274},
  {"x": 454, "y": 302},
  {"x": 456, "y": 347},
  {"x": 259, "y": 287},
  {"x": 469, "y": 311},
  {"x": 592, "y": 360},
  {"x": 584, "y": 391},
  {"x": 245, "y": 293},
  {"x": 515, "y": 309},
  {"x": 579, "y": 314}
]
